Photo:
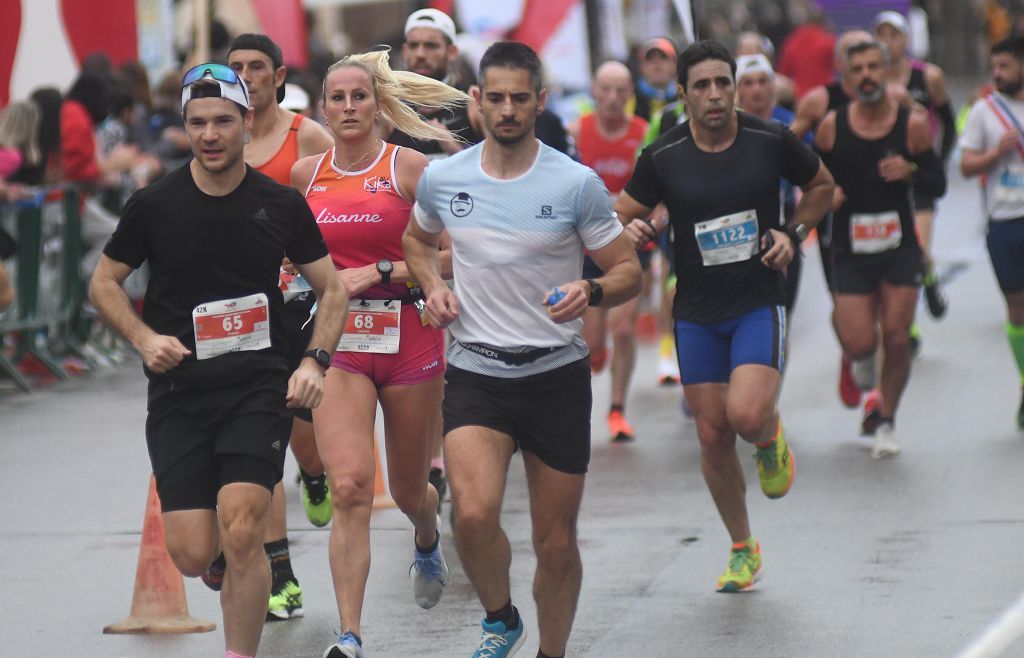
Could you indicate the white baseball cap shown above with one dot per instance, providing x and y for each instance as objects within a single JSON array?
[
  {"x": 434, "y": 19},
  {"x": 893, "y": 18},
  {"x": 751, "y": 64},
  {"x": 295, "y": 98}
]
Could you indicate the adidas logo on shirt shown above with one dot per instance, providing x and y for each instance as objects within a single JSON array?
[{"x": 261, "y": 215}]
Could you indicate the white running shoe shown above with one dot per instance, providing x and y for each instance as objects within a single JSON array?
[
  {"x": 429, "y": 574},
  {"x": 885, "y": 442}
]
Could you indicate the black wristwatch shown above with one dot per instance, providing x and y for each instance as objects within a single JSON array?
[
  {"x": 322, "y": 357},
  {"x": 385, "y": 268},
  {"x": 596, "y": 292},
  {"x": 797, "y": 233}
]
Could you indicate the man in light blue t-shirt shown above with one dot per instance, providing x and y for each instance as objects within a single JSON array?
[{"x": 519, "y": 215}]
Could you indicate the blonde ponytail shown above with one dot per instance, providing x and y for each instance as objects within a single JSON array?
[{"x": 397, "y": 91}]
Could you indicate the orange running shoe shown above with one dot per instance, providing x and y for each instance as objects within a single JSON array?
[
  {"x": 849, "y": 392},
  {"x": 619, "y": 427}
]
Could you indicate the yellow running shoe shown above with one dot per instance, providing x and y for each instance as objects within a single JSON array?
[
  {"x": 744, "y": 567},
  {"x": 775, "y": 466}
]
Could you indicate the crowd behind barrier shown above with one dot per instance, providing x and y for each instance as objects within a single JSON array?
[{"x": 49, "y": 329}]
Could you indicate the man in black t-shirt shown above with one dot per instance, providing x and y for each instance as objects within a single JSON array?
[
  {"x": 878, "y": 151},
  {"x": 212, "y": 339},
  {"x": 718, "y": 176}
]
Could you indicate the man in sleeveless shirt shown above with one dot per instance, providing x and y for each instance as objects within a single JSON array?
[
  {"x": 810, "y": 112},
  {"x": 279, "y": 138},
  {"x": 877, "y": 150},
  {"x": 993, "y": 148},
  {"x": 608, "y": 140},
  {"x": 926, "y": 85}
]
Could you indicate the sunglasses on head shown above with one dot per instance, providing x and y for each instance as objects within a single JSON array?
[{"x": 218, "y": 72}]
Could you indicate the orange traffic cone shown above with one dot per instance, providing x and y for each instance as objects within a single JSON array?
[
  {"x": 381, "y": 498},
  {"x": 158, "y": 603}
]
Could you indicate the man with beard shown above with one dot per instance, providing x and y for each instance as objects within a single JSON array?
[
  {"x": 519, "y": 214},
  {"x": 993, "y": 148},
  {"x": 430, "y": 50},
  {"x": 877, "y": 151},
  {"x": 718, "y": 176},
  {"x": 213, "y": 341}
]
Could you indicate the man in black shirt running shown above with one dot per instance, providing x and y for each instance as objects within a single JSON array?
[
  {"x": 718, "y": 175},
  {"x": 212, "y": 338}
]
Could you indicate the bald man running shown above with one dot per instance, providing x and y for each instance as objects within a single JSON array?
[{"x": 608, "y": 140}]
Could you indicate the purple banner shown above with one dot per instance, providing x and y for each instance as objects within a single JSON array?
[{"x": 850, "y": 14}]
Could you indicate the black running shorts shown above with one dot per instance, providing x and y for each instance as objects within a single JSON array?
[
  {"x": 862, "y": 274},
  {"x": 203, "y": 439},
  {"x": 547, "y": 414}
]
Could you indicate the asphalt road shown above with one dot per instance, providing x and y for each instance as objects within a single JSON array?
[{"x": 907, "y": 557}]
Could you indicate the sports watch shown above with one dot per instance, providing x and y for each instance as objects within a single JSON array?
[
  {"x": 596, "y": 292},
  {"x": 322, "y": 357},
  {"x": 385, "y": 268}
]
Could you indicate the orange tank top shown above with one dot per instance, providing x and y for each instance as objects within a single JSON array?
[
  {"x": 279, "y": 167},
  {"x": 361, "y": 214},
  {"x": 613, "y": 160}
]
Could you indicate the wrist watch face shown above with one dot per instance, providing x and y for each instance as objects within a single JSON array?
[
  {"x": 385, "y": 266},
  {"x": 801, "y": 232},
  {"x": 322, "y": 357}
]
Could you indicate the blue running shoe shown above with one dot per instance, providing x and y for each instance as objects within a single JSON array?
[
  {"x": 347, "y": 647},
  {"x": 496, "y": 641},
  {"x": 429, "y": 575}
]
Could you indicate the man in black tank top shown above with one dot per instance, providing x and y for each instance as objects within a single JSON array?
[
  {"x": 877, "y": 151},
  {"x": 430, "y": 50},
  {"x": 926, "y": 85}
]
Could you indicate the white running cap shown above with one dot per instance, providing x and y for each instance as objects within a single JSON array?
[
  {"x": 434, "y": 19},
  {"x": 893, "y": 18},
  {"x": 751, "y": 64}
]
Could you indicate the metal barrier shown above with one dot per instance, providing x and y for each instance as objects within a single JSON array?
[{"x": 43, "y": 313}]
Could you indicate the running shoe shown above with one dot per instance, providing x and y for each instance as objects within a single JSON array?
[
  {"x": 933, "y": 295},
  {"x": 316, "y": 498},
  {"x": 849, "y": 392},
  {"x": 915, "y": 340},
  {"x": 429, "y": 575},
  {"x": 214, "y": 576},
  {"x": 885, "y": 441},
  {"x": 864, "y": 372},
  {"x": 619, "y": 428},
  {"x": 744, "y": 568},
  {"x": 872, "y": 413},
  {"x": 285, "y": 600},
  {"x": 440, "y": 483},
  {"x": 775, "y": 467},
  {"x": 668, "y": 371},
  {"x": 496, "y": 641},
  {"x": 347, "y": 647}
]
